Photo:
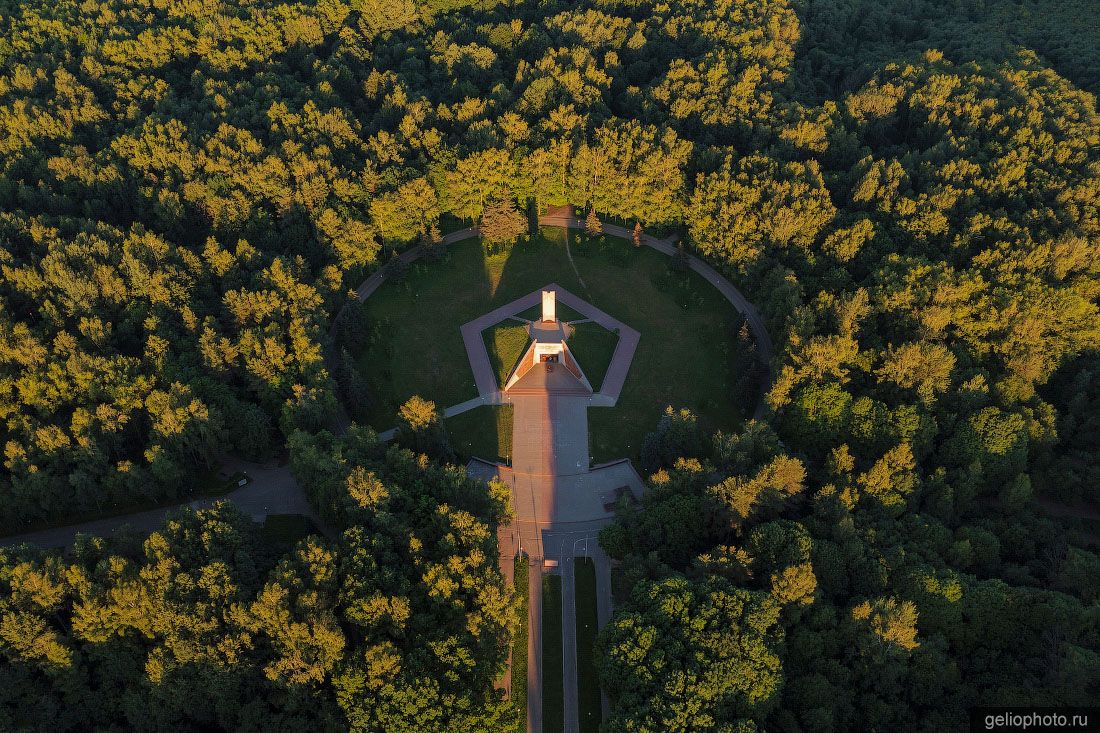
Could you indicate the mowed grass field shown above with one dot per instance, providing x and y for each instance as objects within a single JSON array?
[
  {"x": 485, "y": 432},
  {"x": 593, "y": 346},
  {"x": 553, "y": 684},
  {"x": 520, "y": 642},
  {"x": 588, "y": 680},
  {"x": 683, "y": 358}
]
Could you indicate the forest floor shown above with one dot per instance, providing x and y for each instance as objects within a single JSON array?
[
  {"x": 1086, "y": 514},
  {"x": 683, "y": 357}
]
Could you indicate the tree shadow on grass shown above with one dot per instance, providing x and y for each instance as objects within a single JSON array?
[{"x": 416, "y": 344}]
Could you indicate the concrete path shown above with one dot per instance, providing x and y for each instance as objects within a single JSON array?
[
  {"x": 623, "y": 355},
  {"x": 485, "y": 376},
  {"x": 451, "y": 411},
  {"x": 372, "y": 283},
  {"x": 559, "y": 505},
  {"x": 565, "y": 547},
  {"x": 273, "y": 490},
  {"x": 466, "y": 406}
]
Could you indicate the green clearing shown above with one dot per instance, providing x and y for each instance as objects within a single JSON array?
[
  {"x": 505, "y": 343},
  {"x": 553, "y": 695},
  {"x": 588, "y": 681},
  {"x": 519, "y": 643},
  {"x": 485, "y": 432},
  {"x": 593, "y": 346},
  {"x": 683, "y": 358}
]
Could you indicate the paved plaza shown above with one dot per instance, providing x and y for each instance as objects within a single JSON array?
[{"x": 559, "y": 499}]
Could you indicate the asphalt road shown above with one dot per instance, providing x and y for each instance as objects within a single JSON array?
[
  {"x": 273, "y": 490},
  {"x": 565, "y": 546}
]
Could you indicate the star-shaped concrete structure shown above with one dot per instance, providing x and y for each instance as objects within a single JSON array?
[
  {"x": 485, "y": 377},
  {"x": 560, "y": 501},
  {"x": 555, "y": 488}
]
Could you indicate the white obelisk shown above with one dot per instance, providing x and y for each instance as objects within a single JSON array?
[{"x": 548, "y": 309}]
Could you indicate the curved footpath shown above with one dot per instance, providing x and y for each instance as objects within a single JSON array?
[{"x": 271, "y": 490}]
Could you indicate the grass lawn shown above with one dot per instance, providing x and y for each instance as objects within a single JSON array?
[
  {"x": 485, "y": 432},
  {"x": 553, "y": 696},
  {"x": 683, "y": 358},
  {"x": 588, "y": 681},
  {"x": 519, "y": 644},
  {"x": 286, "y": 528},
  {"x": 593, "y": 346},
  {"x": 505, "y": 343}
]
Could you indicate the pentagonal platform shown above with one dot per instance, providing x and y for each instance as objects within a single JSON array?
[{"x": 485, "y": 377}]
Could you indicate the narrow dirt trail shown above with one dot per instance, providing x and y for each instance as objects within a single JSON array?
[{"x": 569, "y": 254}]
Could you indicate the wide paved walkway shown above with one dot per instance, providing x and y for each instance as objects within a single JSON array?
[
  {"x": 550, "y": 435},
  {"x": 560, "y": 502},
  {"x": 272, "y": 490}
]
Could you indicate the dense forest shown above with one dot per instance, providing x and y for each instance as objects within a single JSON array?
[
  {"x": 909, "y": 191},
  {"x": 398, "y": 625}
]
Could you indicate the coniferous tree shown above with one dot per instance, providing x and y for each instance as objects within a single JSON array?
[
  {"x": 501, "y": 223},
  {"x": 593, "y": 227}
]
